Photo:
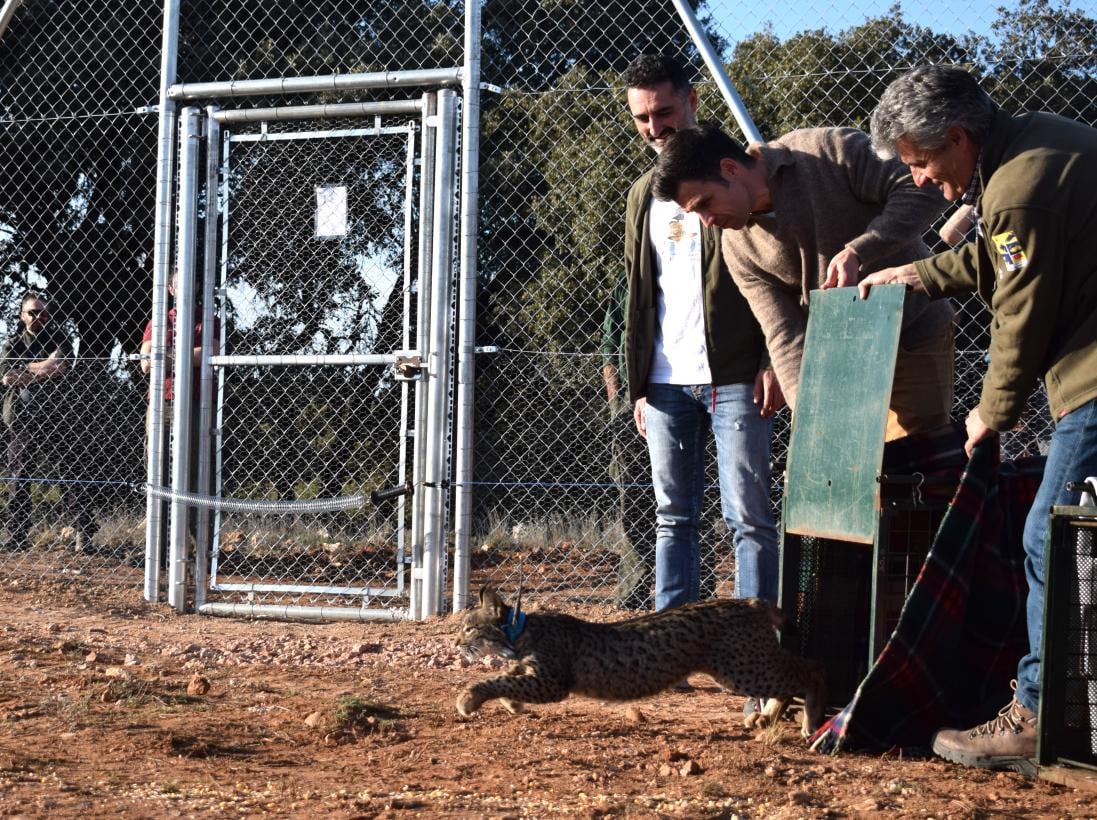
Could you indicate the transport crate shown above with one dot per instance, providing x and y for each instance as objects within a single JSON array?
[{"x": 1068, "y": 691}]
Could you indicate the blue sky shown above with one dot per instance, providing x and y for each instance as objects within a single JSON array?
[{"x": 740, "y": 19}]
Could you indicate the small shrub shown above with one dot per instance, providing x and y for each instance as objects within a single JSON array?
[{"x": 354, "y": 718}]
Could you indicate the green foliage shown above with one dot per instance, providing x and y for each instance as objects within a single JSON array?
[
  {"x": 1043, "y": 57},
  {"x": 577, "y": 155},
  {"x": 529, "y": 45},
  {"x": 76, "y": 193},
  {"x": 816, "y": 79},
  {"x": 354, "y": 717},
  {"x": 561, "y": 161}
]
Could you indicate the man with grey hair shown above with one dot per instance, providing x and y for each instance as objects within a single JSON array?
[
  {"x": 1031, "y": 179},
  {"x": 696, "y": 364}
]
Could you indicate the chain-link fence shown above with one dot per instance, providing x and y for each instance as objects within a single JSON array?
[
  {"x": 78, "y": 94},
  {"x": 555, "y": 465},
  {"x": 559, "y": 488}
]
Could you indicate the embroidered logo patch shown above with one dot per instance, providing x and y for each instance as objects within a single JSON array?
[{"x": 1009, "y": 248}]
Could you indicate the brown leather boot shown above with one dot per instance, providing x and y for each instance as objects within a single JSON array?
[{"x": 1006, "y": 742}]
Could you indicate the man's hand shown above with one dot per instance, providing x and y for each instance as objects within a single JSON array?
[
  {"x": 976, "y": 431},
  {"x": 902, "y": 275},
  {"x": 843, "y": 270},
  {"x": 612, "y": 381},
  {"x": 15, "y": 377},
  {"x": 640, "y": 417},
  {"x": 767, "y": 392},
  {"x": 955, "y": 231}
]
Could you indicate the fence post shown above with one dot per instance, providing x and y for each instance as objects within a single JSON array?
[
  {"x": 209, "y": 343},
  {"x": 162, "y": 244},
  {"x": 466, "y": 307},
  {"x": 422, "y": 344},
  {"x": 436, "y": 485},
  {"x": 183, "y": 375},
  {"x": 723, "y": 81}
]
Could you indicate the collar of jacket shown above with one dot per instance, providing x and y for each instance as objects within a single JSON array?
[
  {"x": 773, "y": 154},
  {"x": 1003, "y": 130}
]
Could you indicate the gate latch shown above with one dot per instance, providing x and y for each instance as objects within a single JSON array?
[{"x": 408, "y": 368}]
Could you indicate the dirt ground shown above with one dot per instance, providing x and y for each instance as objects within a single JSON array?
[{"x": 111, "y": 707}]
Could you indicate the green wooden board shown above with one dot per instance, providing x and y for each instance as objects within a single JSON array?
[{"x": 837, "y": 446}]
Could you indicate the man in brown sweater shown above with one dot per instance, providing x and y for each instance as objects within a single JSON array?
[{"x": 814, "y": 205}]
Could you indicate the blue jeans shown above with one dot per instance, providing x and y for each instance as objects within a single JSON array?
[
  {"x": 1072, "y": 457},
  {"x": 678, "y": 422}
]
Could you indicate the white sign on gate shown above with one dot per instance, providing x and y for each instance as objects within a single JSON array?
[{"x": 331, "y": 211}]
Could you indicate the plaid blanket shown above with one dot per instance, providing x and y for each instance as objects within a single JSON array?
[{"x": 962, "y": 628}]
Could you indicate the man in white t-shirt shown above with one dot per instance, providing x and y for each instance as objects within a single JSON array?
[{"x": 696, "y": 362}]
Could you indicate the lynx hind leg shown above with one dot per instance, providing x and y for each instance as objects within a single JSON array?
[
  {"x": 815, "y": 698},
  {"x": 768, "y": 715}
]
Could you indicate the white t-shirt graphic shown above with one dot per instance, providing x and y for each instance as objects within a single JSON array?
[{"x": 681, "y": 353}]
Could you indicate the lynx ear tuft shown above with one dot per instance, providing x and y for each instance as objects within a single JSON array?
[
  {"x": 517, "y": 607},
  {"x": 490, "y": 601}
]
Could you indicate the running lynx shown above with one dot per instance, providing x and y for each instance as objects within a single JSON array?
[{"x": 732, "y": 640}]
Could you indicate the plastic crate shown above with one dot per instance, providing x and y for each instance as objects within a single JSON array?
[{"x": 1068, "y": 691}]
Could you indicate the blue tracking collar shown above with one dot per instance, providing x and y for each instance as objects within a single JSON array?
[{"x": 512, "y": 626}]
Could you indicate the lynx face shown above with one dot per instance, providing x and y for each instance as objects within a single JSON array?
[{"x": 481, "y": 635}]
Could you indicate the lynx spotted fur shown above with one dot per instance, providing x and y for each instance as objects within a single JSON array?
[{"x": 731, "y": 640}]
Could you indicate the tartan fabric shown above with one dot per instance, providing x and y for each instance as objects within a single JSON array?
[{"x": 962, "y": 628}]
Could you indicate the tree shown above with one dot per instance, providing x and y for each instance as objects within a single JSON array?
[
  {"x": 1043, "y": 58},
  {"x": 815, "y": 78}
]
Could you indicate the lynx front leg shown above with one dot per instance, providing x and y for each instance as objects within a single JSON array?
[
  {"x": 472, "y": 698},
  {"x": 469, "y": 701},
  {"x": 524, "y": 683}
]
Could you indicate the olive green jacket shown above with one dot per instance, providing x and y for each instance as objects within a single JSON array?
[
  {"x": 1034, "y": 263},
  {"x": 736, "y": 348}
]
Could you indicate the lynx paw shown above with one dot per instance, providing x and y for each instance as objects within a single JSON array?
[
  {"x": 767, "y": 716},
  {"x": 512, "y": 706},
  {"x": 467, "y": 703}
]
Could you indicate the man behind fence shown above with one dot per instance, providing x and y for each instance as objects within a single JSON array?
[
  {"x": 169, "y": 400},
  {"x": 30, "y": 363},
  {"x": 800, "y": 210},
  {"x": 1034, "y": 262},
  {"x": 695, "y": 361},
  {"x": 629, "y": 467}
]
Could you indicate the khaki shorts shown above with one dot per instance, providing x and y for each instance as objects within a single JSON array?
[{"x": 922, "y": 393}]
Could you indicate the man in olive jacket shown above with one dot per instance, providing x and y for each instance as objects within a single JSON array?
[
  {"x": 695, "y": 361},
  {"x": 1031, "y": 179}
]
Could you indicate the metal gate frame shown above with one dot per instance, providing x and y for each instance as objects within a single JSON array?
[
  {"x": 221, "y": 363},
  {"x": 432, "y": 414}
]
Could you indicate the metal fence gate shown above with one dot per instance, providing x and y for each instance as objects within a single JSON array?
[{"x": 320, "y": 399}]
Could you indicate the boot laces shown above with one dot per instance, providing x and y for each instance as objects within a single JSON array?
[
  {"x": 1007, "y": 721},
  {"x": 1010, "y": 719}
]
